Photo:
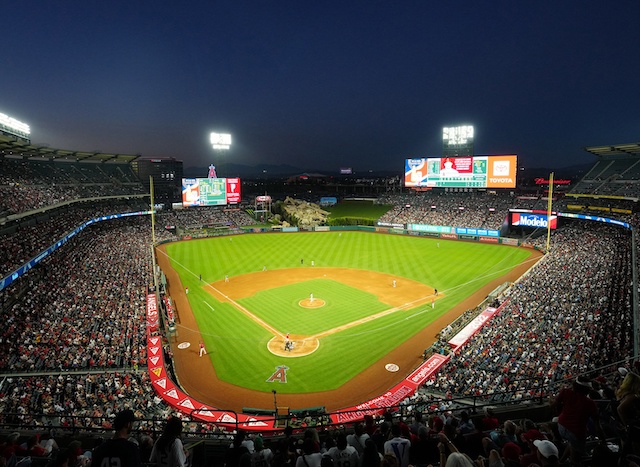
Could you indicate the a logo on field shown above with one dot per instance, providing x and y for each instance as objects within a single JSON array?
[
  {"x": 280, "y": 375},
  {"x": 392, "y": 367}
]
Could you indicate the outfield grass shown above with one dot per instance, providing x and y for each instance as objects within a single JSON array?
[
  {"x": 357, "y": 209},
  {"x": 275, "y": 306},
  {"x": 238, "y": 346}
]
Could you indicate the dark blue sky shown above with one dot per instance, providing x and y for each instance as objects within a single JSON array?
[{"x": 324, "y": 84}]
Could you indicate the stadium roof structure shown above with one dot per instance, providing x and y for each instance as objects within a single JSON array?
[
  {"x": 12, "y": 147},
  {"x": 630, "y": 149}
]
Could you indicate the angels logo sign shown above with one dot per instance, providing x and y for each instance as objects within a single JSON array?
[{"x": 280, "y": 375}]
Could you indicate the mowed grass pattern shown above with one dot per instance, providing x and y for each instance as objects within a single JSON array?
[
  {"x": 279, "y": 307},
  {"x": 238, "y": 346}
]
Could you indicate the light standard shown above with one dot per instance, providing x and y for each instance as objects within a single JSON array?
[{"x": 220, "y": 142}]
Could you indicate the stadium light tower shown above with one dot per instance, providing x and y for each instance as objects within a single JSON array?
[
  {"x": 457, "y": 141},
  {"x": 221, "y": 143}
]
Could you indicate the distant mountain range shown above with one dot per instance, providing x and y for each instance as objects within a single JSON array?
[
  {"x": 574, "y": 172},
  {"x": 272, "y": 171}
]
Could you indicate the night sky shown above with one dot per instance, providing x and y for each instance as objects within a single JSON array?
[{"x": 323, "y": 85}]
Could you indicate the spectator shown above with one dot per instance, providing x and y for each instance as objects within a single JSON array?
[
  {"x": 628, "y": 396},
  {"x": 371, "y": 457},
  {"x": 343, "y": 454},
  {"x": 310, "y": 456},
  {"x": 398, "y": 446},
  {"x": 575, "y": 409},
  {"x": 358, "y": 438},
  {"x": 547, "y": 452},
  {"x": 168, "y": 450},
  {"x": 261, "y": 456},
  {"x": 119, "y": 450}
]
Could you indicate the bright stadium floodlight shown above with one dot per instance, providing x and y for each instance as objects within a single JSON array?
[
  {"x": 220, "y": 141},
  {"x": 458, "y": 135},
  {"x": 14, "y": 126}
]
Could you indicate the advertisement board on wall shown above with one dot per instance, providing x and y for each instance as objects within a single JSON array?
[
  {"x": 524, "y": 219},
  {"x": 461, "y": 172}
]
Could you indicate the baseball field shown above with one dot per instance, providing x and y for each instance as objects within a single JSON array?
[{"x": 325, "y": 318}]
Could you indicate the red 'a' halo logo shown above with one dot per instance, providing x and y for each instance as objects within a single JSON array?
[{"x": 280, "y": 375}]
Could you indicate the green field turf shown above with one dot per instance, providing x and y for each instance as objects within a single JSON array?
[
  {"x": 238, "y": 346},
  {"x": 359, "y": 209},
  {"x": 275, "y": 306}
]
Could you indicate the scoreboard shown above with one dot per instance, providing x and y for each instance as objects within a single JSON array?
[
  {"x": 461, "y": 172},
  {"x": 210, "y": 191}
]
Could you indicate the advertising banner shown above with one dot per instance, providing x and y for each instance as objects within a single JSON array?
[
  {"x": 233, "y": 191},
  {"x": 430, "y": 228},
  {"x": 473, "y": 327},
  {"x": 395, "y": 395},
  {"x": 152, "y": 313},
  {"x": 522, "y": 219},
  {"x": 462, "y": 172}
]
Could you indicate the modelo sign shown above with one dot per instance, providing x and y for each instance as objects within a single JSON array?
[{"x": 520, "y": 219}]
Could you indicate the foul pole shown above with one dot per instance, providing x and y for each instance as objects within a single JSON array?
[
  {"x": 153, "y": 236},
  {"x": 549, "y": 210}
]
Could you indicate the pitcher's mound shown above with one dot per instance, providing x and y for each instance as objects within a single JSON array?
[{"x": 315, "y": 303}]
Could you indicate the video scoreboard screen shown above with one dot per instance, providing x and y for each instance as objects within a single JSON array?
[
  {"x": 210, "y": 191},
  {"x": 461, "y": 172}
]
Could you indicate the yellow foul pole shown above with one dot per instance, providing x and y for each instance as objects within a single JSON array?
[
  {"x": 153, "y": 212},
  {"x": 153, "y": 236},
  {"x": 549, "y": 210}
]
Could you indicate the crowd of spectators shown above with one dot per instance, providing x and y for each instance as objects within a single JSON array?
[
  {"x": 30, "y": 185},
  {"x": 449, "y": 438},
  {"x": 83, "y": 307},
  {"x": 19, "y": 245},
  {"x": 78, "y": 400},
  {"x": 196, "y": 218},
  {"x": 571, "y": 315},
  {"x": 485, "y": 210}
]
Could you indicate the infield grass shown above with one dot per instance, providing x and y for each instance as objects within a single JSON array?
[{"x": 237, "y": 345}]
